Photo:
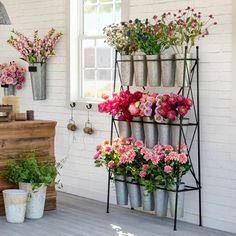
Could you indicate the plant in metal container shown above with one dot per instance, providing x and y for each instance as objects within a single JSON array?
[
  {"x": 33, "y": 176},
  {"x": 36, "y": 52}
]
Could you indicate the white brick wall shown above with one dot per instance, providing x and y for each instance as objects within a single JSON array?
[{"x": 218, "y": 132}]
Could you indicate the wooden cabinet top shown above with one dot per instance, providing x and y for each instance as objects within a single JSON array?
[{"x": 27, "y": 129}]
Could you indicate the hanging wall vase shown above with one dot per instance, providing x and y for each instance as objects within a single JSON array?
[
  {"x": 127, "y": 70},
  {"x": 134, "y": 193},
  {"x": 164, "y": 134},
  {"x": 147, "y": 199},
  {"x": 175, "y": 131},
  {"x": 9, "y": 90},
  {"x": 137, "y": 130},
  {"x": 150, "y": 132},
  {"x": 121, "y": 190},
  {"x": 38, "y": 80},
  {"x": 179, "y": 69},
  {"x": 140, "y": 70},
  {"x": 124, "y": 129},
  {"x": 161, "y": 202},
  {"x": 180, "y": 206},
  {"x": 168, "y": 70},
  {"x": 153, "y": 71}
]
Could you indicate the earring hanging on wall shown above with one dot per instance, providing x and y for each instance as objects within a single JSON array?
[
  {"x": 71, "y": 125},
  {"x": 88, "y": 129}
]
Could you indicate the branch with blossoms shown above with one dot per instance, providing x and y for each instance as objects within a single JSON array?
[
  {"x": 36, "y": 50},
  {"x": 12, "y": 74}
]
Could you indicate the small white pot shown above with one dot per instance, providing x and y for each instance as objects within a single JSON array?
[
  {"x": 15, "y": 205},
  {"x": 36, "y": 200}
]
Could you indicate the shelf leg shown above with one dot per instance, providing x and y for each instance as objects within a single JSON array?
[
  {"x": 176, "y": 206},
  {"x": 108, "y": 191}
]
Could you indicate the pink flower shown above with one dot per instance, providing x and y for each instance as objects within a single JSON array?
[
  {"x": 172, "y": 100},
  {"x": 168, "y": 169},
  {"x": 145, "y": 166},
  {"x": 111, "y": 164},
  {"x": 155, "y": 160},
  {"x": 9, "y": 80},
  {"x": 97, "y": 155},
  {"x": 182, "y": 110},
  {"x": 139, "y": 144},
  {"x": 99, "y": 148},
  {"x": 104, "y": 96},
  {"x": 171, "y": 115},
  {"x": 13, "y": 68},
  {"x": 142, "y": 173},
  {"x": 162, "y": 111},
  {"x": 108, "y": 149},
  {"x": 182, "y": 158},
  {"x": 133, "y": 109}
]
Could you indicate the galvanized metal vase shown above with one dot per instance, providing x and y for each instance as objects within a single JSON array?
[
  {"x": 9, "y": 90},
  {"x": 161, "y": 202},
  {"x": 180, "y": 206},
  {"x": 127, "y": 70},
  {"x": 175, "y": 130},
  {"x": 179, "y": 72},
  {"x": 164, "y": 135},
  {"x": 154, "y": 70},
  {"x": 121, "y": 190},
  {"x": 38, "y": 80},
  {"x": 124, "y": 129},
  {"x": 150, "y": 132},
  {"x": 134, "y": 193},
  {"x": 147, "y": 200},
  {"x": 168, "y": 70},
  {"x": 137, "y": 130},
  {"x": 140, "y": 70}
]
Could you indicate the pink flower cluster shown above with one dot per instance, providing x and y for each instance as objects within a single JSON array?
[
  {"x": 171, "y": 106},
  {"x": 36, "y": 50},
  {"x": 119, "y": 104},
  {"x": 128, "y": 105},
  {"x": 12, "y": 74}
]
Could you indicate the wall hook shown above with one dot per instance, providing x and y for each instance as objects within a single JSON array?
[
  {"x": 72, "y": 105},
  {"x": 89, "y": 106}
]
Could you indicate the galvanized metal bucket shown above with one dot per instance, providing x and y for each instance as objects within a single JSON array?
[
  {"x": 36, "y": 200},
  {"x": 140, "y": 70},
  {"x": 38, "y": 80},
  {"x": 164, "y": 136},
  {"x": 124, "y": 129},
  {"x": 127, "y": 70},
  {"x": 15, "y": 205},
  {"x": 147, "y": 199},
  {"x": 9, "y": 90},
  {"x": 180, "y": 206},
  {"x": 161, "y": 202},
  {"x": 179, "y": 72},
  {"x": 168, "y": 70},
  {"x": 154, "y": 70},
  {"x": 134, "y": 193},
  {"x": 137, "y": 129},
  {"x": 121, "y": 190},
  {"x": 150, "y": 132},
  {"x": 175, "y": 130}
]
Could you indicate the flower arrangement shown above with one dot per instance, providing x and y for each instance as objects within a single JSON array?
[
  {"x": 120, "y": 37},
  {"x": 185, "y": 27},
  {"x": 170, "y": 107},
  {"x": 36, "y": 50},
  {"x": 12, "y": 74},
  {"x": 119, "y": 104}
]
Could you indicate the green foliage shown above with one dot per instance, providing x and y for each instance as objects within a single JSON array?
[{"x": 29, "y": 170}]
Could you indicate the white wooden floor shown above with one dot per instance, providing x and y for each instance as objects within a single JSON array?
[{"x": 77, "y": 216}]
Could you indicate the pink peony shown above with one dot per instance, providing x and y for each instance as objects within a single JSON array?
[{"x": 168, "y": 169}]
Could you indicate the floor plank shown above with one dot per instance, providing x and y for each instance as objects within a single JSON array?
[{"x": 76, "y": 216}]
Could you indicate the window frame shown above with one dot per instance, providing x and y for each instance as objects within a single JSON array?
[{"x": 75, "y": 49}]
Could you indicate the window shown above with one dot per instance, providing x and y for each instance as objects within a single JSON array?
[{"x": 91, "y": 71}]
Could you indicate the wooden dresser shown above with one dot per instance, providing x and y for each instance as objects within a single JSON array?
[{"x": 24, "y": 136}]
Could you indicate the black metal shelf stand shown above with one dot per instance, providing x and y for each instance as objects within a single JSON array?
[{"x": 188, "y": 92}]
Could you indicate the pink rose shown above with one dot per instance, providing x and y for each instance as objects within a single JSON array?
[
  {"x": 168, "y": 169},
  {"x": 9, "y": 80},
  {"x": 111, "y": 164}
]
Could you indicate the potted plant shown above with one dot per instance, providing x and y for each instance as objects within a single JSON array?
[
  {"x": 119, "y": 36},
  {"x": 184, "y": 28},
  {"x": 12, "y": 77},
  {"x": 33, "y": 177},
  {"x": 36, "y": 52}
]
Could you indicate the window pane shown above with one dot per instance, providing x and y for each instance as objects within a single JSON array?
[
  {"x": 87, "y": 2},
  {"x": 90, "y": 20},
  {"x": 104, "y": 75},
  {"x": 89, "y": 53},
  {"x": 106, "y": 16},
  {"x": 103, "y": 55},
  {"x": 118, "y": 12},
  {"x": 89, "y": 82},
  {"x": 101, "y": 1},
  {"x": 89, "y": 75},
  {"x": 103, "y": 87}
]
